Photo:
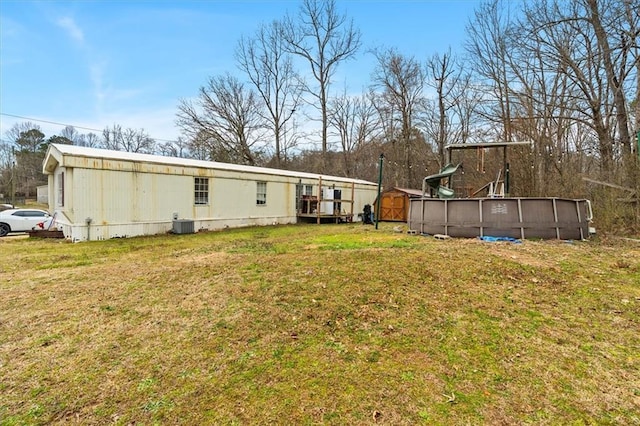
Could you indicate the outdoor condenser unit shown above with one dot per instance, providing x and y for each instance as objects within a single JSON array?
[{"x": 183, "y": 226}]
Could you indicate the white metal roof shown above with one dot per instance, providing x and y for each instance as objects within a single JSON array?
[{"x": 81, "y": 151}]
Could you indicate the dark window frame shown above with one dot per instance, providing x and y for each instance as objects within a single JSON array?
[
  {"x": 201, "y": 191},
  {"x": 261, "y": 195}
]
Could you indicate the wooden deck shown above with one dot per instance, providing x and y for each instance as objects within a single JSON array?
[{"x": 316, "y": 208}]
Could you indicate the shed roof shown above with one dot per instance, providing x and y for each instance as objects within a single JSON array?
[
  {"x": 409, "y": 192},
  {"x": 57, "y": 152}
]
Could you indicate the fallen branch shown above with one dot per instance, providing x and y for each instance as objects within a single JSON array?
[{"x": 611, "y": 185}]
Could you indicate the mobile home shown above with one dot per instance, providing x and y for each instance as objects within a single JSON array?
[{"x": 99, "y": 194}]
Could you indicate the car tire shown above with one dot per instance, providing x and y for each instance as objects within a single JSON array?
[{"x": 4, "y": 229}]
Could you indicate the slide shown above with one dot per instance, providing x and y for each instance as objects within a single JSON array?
[{"x": 434, "y": 181}]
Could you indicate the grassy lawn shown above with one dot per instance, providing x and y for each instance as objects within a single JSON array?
[{"x": 307, "y": 324}]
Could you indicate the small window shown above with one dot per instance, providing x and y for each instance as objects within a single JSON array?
[
  {"x": 201, "y": 191},
  {"x": 61, "y": 190},
  {"x": 261, "y": 193},
  {"x": 308, "y": 190}
]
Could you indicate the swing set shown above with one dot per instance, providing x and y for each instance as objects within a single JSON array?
[{"x": 498, "y": 188}]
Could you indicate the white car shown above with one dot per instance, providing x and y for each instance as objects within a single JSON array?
[{"x": 22, "y": 220}]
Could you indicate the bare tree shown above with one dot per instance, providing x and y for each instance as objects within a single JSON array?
[
  {"x": 324, "y": 38},
  {"x": 138, "y": 141},
  {"x": 468, "y": 97},
  {"x": 7, "y": 163},
  {"x": 401, "y": 80},
  {"x": 488, "y": 49},
  {"x": 71, "y": 134},
  {"x": 90, "y": 140},
  {"x": 445, "y": 76},
  {"x": 21, "y": 154},
  {"x": 111, "y": 138},
  {"x": 565, "y": 74},
  {"x": 356, "y": 122},
  {"x": 25, "y": 136},
  {"x": 129, "y": 140},
  {"x": 201, "y": 147},
  {"x": 6, "y": 154},
  {"x": 178, "y": 148},
  {"x": 617, "y": 71},
  {"x": 542, "y": 106},
  {"x": 226, "y": 120},
  {"x": 269, "y": 67},
  {"x": 570, "y": 39},
  {"x": 633, "y": 34}
]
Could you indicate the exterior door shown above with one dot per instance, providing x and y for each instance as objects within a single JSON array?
[{"x": 392, "y": 207}]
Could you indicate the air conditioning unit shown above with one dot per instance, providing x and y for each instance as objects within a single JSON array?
[{"x": 183, "y": 226}]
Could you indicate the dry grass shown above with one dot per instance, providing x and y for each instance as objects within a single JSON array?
[{"x": 319, "y": 325}]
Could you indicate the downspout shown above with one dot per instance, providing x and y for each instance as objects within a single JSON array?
[{"x": 88, "y": 222}]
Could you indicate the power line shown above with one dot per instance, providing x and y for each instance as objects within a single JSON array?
[
  {"x": 68, "y": 125},
  {"x": 48, "y": 122}
]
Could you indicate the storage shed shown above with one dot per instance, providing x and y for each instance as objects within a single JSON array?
[
  {"x": 42, "y": 194},
  {"x": 98, "y": 194},
  {"x": 394, "y": 204}
]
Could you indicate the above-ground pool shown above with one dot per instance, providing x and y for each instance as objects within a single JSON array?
[{"x": 546, "y": 218}]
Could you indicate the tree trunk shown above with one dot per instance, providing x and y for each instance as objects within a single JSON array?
[{"x": 614, "y": 81}]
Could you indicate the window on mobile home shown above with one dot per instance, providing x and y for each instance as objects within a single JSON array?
[
  {"x": 61, "y": 189},
  {"x": 261, "y": 193},
  {"x": 201, "y": 191},
  {"x": 308, "y": 190}
]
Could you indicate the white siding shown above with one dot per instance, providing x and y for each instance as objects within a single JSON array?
[{"x": 128, "y": 196}]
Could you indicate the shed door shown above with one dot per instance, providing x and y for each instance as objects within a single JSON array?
[{"x": 392, "y": 207}]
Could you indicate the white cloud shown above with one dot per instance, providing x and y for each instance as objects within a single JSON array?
[{"x": 72, "y": 29}]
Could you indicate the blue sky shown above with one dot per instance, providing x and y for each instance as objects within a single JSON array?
[{"x": 93, "y": 64}]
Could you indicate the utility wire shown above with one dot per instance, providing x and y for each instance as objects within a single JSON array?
[{"x": 69, "y": 125}]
